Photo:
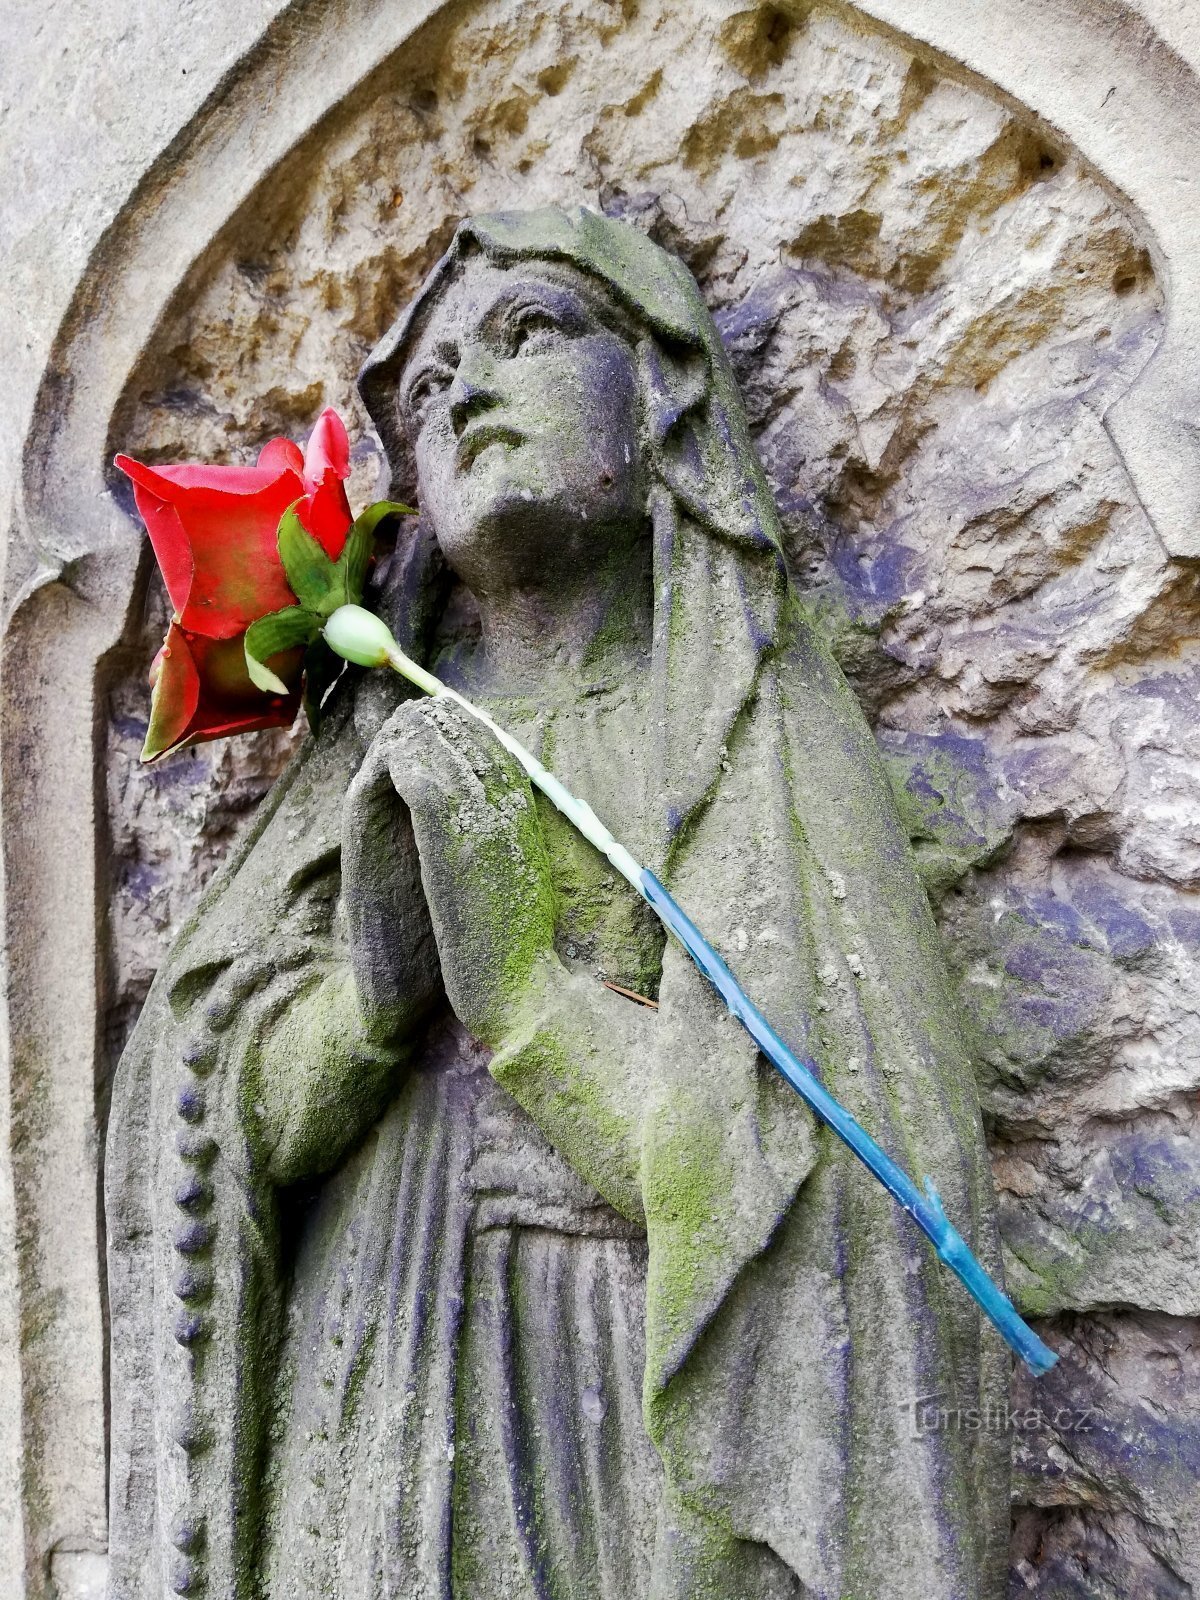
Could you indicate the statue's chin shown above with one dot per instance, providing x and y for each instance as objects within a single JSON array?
[
  {"x": 514, "y": 537},
  {"x": 522, "y": 516}
]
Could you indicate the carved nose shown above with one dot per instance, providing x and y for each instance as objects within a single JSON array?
[{"x": 469, "y": 396}]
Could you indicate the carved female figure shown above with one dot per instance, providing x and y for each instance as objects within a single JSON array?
[{"x": 437, "y": 1267}]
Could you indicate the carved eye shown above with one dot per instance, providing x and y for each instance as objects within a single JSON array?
[
  {"x": 426, "y": 386},
  {"x": 532, "y": 328}
]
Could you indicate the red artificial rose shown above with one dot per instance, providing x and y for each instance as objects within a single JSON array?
[{"x": 214, "y": 531}]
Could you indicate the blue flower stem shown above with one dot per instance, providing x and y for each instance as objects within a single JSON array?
[{"x": 925, "y": 1208}]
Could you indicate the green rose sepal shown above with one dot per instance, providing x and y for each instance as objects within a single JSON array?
[{"x": 321, "y": 587}]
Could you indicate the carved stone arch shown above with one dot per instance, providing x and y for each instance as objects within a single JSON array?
[{"x": 1111, "y": 80}]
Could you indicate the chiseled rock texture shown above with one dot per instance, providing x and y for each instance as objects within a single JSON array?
[{"x": 929, "y": 308}]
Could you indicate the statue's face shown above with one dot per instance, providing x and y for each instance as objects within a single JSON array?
[{"x": 522, "y": 407}]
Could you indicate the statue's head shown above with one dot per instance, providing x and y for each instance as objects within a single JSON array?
[
  {"x": 519, "y": 397},
  {"x": 555, "y": 368}
]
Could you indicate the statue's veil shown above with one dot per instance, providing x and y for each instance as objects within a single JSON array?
[{"x": 717, "y": 587}]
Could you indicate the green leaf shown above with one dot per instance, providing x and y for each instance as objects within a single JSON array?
[
  {"x": 314, "y": 578},
  {"x": 280, "y": 630},
  {"x": 321, "y": 670},
  {"x": 355, "y": 559}
]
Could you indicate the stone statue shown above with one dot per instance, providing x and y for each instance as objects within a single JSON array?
[{"x": 437, "y": 1267}]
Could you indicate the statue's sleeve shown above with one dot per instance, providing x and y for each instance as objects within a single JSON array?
[
  {"x": 578, "y": 1061},
  {"x": 330, "y": 1057},
  {"x": 255, "y": 1061},
  {"x": 314, "y": 993}
]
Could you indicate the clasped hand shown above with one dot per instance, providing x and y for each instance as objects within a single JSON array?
[{"x": 484, "y": 869}]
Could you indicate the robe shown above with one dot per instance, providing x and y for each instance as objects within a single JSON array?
[{"x": 535, "y": 1332}]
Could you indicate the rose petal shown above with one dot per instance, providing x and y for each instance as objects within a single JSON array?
[
  {"x": 167, "y": 536},
  {"x": 237, "y": 574},
  {"x": 203, "y": 692},
  {"x": 226, "y": 688},
  {"x": 172, "y": 481},
  {"x": 217, "y": 725},
  {"x": 325, "y": 512},
  {"x": 214, "y": 532},
  {"x": 327, "y": 450},
  {"x": 175, "y": 698},
  {"x": 282, "y": 455}
]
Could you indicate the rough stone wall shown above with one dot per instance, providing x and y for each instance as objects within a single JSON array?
[{"x": 929, "y": 306}]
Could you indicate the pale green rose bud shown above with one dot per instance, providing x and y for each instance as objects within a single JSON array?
[{"x": 361, "y": 637}]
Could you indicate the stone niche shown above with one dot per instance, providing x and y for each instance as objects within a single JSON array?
[{"x": 930, "y": 303}]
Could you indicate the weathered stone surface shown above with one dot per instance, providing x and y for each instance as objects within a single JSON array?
[
  {"x": 783, "y": 842},
  {"x": 1107, "y": 1446},
  {"x": 129, "y": 79},
  {"x": 86, "y": 103},
  {"x": 930, "y": 307}
]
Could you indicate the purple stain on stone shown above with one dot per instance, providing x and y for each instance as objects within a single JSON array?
[
  {"x": 1122, "y": 1446},
  {"x": 1173, "y": 1445},
  {"x": 953, "y": 797},
  {"x": 184, "y": 1579},
  {"x": 198, "y": 1149},
  {"x": 187, "y": 1535},
  {"x": 760, "y": 636},
  {"x": 190, "y": 1103},
  {"x": 1158, "y": 1166},
  {"x": 185, "y": 774},
  {"x": 193, "y": 1194},
  {"x": 1038, "y": 769},
  {"x": 141, "y": 881},
  {"x": 1050, "y": 911},
  {"x": 194, "y": 1283},
  {"x": 1056, "y": 1014},
  {"x": 746, "y": 327},
  {"x": 189, "y": 1328},
  {"x": 1177, "y": 689},
  {"x": 876, "y": 579},
  {"x": 1125, "y": 931},
  {"x": 593, "y": 1404},
  {"x": 1026, "y": 961},
  {"x": 689, "y": 448},
  {"x": 194, "y": 1238},
  {"x": 1185, "y": 925},
  {"x": 795, "y": 506}
]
